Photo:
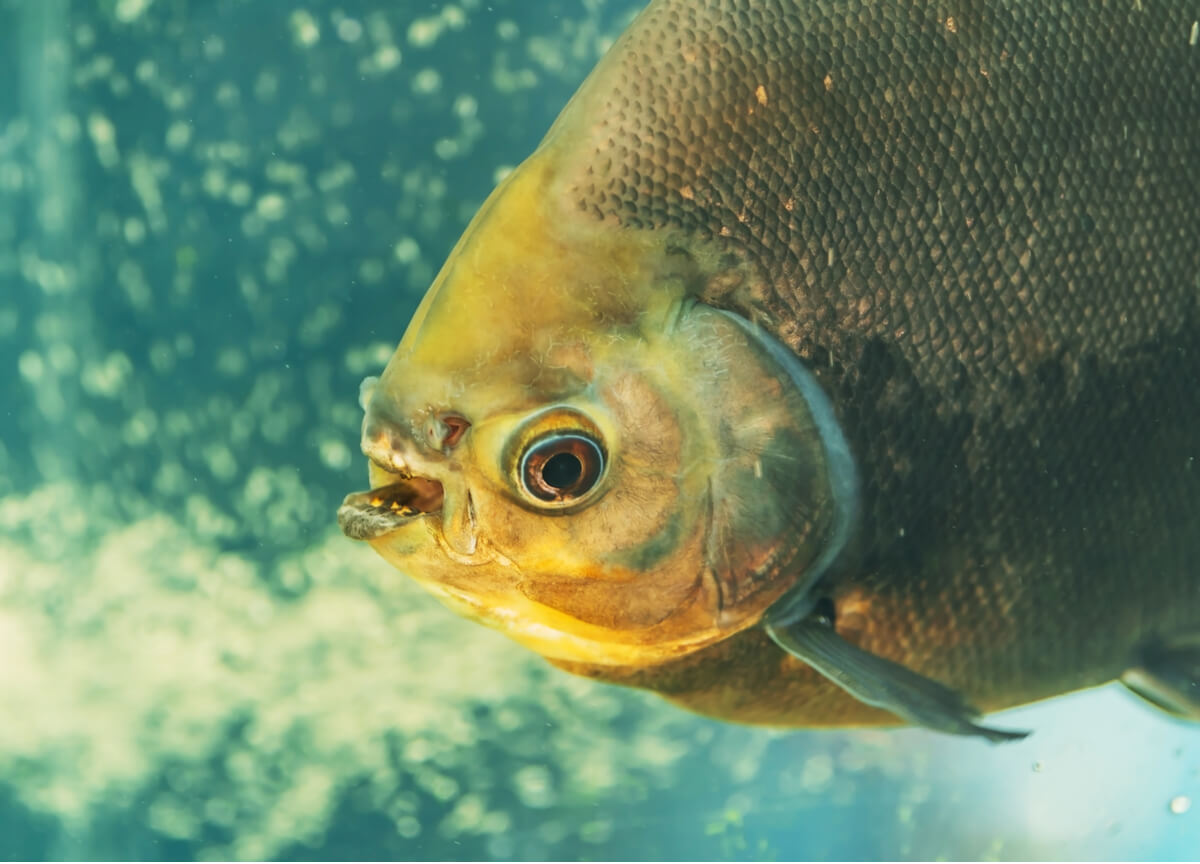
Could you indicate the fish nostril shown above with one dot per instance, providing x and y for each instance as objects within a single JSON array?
[
  {"x": 444, "y": 431},
  {"x": 456, "y": 426}
]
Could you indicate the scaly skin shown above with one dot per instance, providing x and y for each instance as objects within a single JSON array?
[{"x": 977, "y": 223}]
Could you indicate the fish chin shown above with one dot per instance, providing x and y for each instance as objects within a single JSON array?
[
  {"x": 719, "y": 496},
  {"x": 489, "y": 589}
]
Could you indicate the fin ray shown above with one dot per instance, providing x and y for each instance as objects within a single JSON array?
[
  {"x": 880, "y": 682},
  {"x": 1168, "y": 676}
]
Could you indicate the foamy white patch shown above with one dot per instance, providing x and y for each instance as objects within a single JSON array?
[{"x": 137, "y": 654}]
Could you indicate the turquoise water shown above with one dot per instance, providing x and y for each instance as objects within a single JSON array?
[{"x": 215, "y": 219}]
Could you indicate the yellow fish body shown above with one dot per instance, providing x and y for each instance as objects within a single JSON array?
[{"x": 830, "y": 362}]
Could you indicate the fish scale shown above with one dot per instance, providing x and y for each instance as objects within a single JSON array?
[
  {"x": 979, "y": 224},
  {"x": 880, "y": 320}
]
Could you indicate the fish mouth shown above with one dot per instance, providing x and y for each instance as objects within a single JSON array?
[{"x": 376, "y": 512}]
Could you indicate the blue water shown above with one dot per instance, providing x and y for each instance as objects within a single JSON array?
[{"x": 215, "y": 219}]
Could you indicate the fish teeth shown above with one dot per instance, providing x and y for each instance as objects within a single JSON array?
[{"x": 392, "y": 506}]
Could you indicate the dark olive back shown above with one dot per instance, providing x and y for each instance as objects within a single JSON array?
[{"x": 979, "y": 224}]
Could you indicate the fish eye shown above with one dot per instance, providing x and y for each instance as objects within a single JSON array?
[{"x": 562, "y": 467}]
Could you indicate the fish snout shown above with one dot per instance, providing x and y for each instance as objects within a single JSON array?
[
  {"x": 405, "y": 485},
  {"x": 412, "y": 476},
  {"x": 388, "y": 444},
  {"x": 394, "y": 438}
]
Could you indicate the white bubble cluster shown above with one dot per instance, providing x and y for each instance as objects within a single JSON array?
[{"x": 141, "y": 652}]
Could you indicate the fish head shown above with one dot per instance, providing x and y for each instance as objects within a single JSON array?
[{"x": 568, "y": 446}]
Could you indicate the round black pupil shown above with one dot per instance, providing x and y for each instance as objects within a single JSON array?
[{"x": 562, "y": 470}]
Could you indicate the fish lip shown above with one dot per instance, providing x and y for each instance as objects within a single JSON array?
[{"x": 380, "y": 511}]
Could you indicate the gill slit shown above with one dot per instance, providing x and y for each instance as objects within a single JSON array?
[
  {"x": 710, "y": 573},
  {"x": 797, "y": 602}
]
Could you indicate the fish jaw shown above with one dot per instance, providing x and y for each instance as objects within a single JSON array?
[{"x": 380, "y": 511}]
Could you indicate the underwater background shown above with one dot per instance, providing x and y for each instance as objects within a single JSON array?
[{"x": 216, "y": 217}]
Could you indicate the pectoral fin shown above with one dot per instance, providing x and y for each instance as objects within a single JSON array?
[
  {"x": 880, "y": 682},
  {"x": 1168, "y": 677}
]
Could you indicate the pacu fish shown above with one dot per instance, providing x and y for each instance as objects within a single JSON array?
[{"x": 830, "y": 362}]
